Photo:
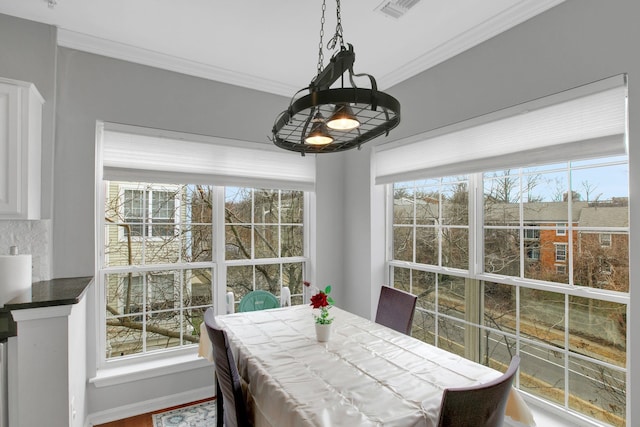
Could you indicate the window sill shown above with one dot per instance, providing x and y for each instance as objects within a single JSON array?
[
  {"x": 136, "y": 371},
  {"x": 549, "y": 415}
]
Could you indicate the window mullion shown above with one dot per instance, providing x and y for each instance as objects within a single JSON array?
[
  {"x": 569, "y": 249},
  {"x": 218, "y": 229},
  {"x": 476, "y": 228}
]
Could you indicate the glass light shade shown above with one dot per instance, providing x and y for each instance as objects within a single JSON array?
[{"x": 343, "y": 118}]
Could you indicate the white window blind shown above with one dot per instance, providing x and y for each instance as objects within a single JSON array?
[
  {"x": 583, "y": 122},
  {"x": 139, "y": 154}
]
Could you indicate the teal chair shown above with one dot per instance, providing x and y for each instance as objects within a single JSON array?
[{"x": 258, "y": 300}]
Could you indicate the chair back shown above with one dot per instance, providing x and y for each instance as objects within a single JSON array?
[
  {"x": 228, "y": 384},
  {"x": 481, "y": 405},
  {"x": 285, "y": 297},
  {"x": 396, "y": 309},
  {"x": 231, "y": 302},
  {"x": 258, "y": 300}
]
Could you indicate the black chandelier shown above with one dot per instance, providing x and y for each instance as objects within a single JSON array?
[{"x": 329, "y": 120}]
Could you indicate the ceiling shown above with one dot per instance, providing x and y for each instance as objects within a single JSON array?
[{"x": 272, "y": 45}]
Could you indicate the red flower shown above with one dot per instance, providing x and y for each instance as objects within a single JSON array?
[{"x": 319, "y": 300}]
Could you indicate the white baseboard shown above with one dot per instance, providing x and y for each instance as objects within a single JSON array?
[{"x": 138, "y": 408}]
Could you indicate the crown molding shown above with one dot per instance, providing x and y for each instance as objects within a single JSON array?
[
  {"x": 125, "y": 52},
  {"x": 511, "y": 17}
]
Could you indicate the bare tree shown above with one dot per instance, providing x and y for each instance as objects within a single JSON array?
[{"x": 589, "y": 188}]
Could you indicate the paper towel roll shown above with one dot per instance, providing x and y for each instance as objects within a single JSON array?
[{"x": 15, "y": 276}]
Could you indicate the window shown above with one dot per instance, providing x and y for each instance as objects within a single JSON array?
[
  {"x": 149, "y": 212},
  {"x": 561, "y": 252},
  {"x": 532, "y": 233},
  {"x": 158, "y": 277},
  {"x": 172, "y": 241},
  {"x": 516, "y": 300},
  {"x": 561, "y": 230},
  {"x": 605, "y": 240},
  {"x": 158, "y": 286},
  {"x": 264, "y": 241},
  {"x": 533, "y": 252}
]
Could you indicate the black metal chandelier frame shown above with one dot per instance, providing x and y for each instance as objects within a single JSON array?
[{"x": 376, "y": 112}]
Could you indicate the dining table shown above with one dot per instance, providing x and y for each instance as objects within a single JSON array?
[{"x": 366, "y": 374}]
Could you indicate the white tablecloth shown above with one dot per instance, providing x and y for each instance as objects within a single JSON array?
[{"x": 365, "y": 375}]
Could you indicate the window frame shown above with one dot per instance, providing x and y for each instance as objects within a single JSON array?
[
  {"x": 475, "y": 276},
  {"x": 605, "y": 242},
  {"x": 561, "y": 254},
  {"x": 561, "y": 229}
]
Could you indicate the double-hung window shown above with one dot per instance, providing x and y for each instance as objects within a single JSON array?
[
  {"x": 157, "y": 265},
  {"x": 184, "y": 220},
  {"x": 504, "y": 248},
  {"x": 264, "y": 241}
]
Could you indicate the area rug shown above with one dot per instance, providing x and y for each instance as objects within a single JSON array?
[{"x": 198, "y": 415}]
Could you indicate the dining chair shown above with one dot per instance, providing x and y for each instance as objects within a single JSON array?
[
  {"x": 230, "y": 400},
  {"x": 285, "y": 297},
  {"x": 231, "y": 302},
  {"x": 396, "y": 309},
  {"x": 482, "y": 405},
  {"x": 258, "y": 300}
]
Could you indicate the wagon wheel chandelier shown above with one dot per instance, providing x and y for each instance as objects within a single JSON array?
[{"x": 327, "y": 120}]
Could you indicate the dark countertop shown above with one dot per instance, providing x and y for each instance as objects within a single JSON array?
[{"x": 49, "y": 293}]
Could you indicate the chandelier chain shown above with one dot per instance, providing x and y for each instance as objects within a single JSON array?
[
  {"x": 338, "y": 35},
  {"x": 320, "y": 53}
]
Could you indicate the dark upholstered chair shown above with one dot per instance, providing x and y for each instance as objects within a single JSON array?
[
  {"x": 478, "y": 406},
  {"x": 231, "y": 405},
  {"x": 396, "y": 309}
]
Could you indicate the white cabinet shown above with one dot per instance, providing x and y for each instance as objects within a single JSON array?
[{"x": 20, "y": 147}]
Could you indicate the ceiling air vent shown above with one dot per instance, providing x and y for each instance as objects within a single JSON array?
[{"x": 396, "y": 8}]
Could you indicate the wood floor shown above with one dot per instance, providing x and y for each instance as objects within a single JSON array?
[{"x": 143, "y": 420}]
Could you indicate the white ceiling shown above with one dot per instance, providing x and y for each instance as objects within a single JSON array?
[{"x": 272, "y": 45}]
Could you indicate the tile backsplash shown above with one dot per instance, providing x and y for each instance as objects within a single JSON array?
[{"x": 30, "y": 237}]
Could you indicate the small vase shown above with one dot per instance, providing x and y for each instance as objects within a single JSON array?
[{"x": 323, "y": 332}]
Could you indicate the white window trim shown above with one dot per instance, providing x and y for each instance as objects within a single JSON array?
[
  {"x": 556, "y": 247},
  {"x": 111, "y": 371},
  {"x": 606, "y": 242}
]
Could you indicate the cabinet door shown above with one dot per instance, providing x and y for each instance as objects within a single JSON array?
[
  {"x": 9, "y": 149},
  {"x": 20, "y": 147}
]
